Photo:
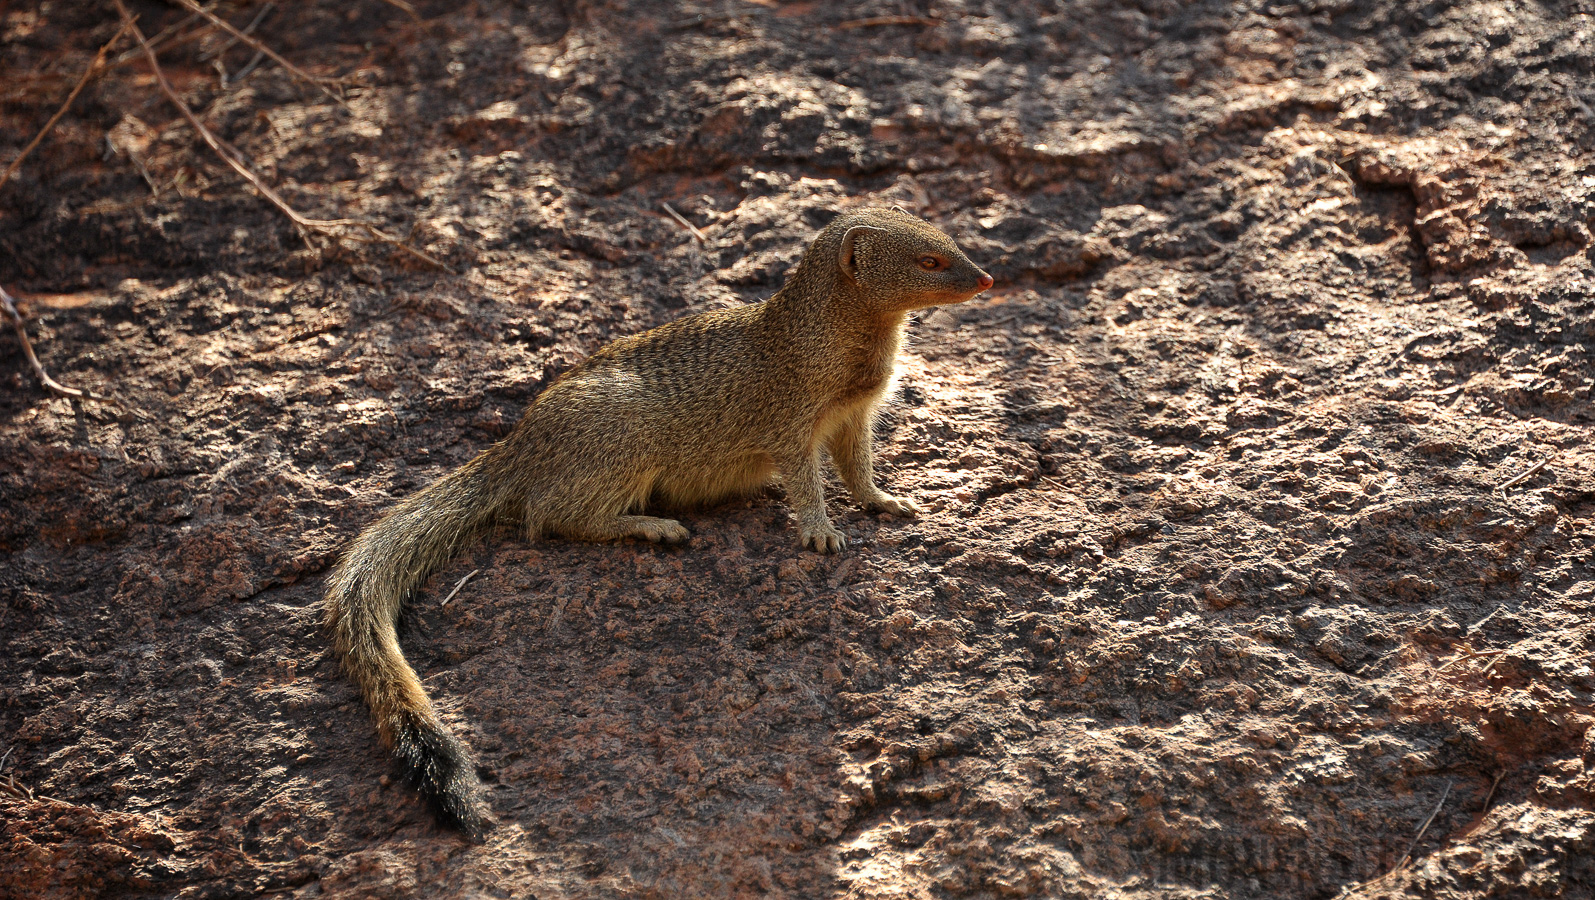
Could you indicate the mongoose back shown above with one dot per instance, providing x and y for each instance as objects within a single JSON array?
[{"x": 688, "y": 414}]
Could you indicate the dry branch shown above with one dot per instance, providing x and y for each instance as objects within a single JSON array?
[
  {"x": 1491, "y": 795},
  {"x": 1425, "y": 829},
  {"x": 683, "y": 220},
  {"x": 1511, "y": 482},
  {"x": 457, "y": 585},
  {"x": 878, "y": 21},
  {"x": 9, "y": 307},
  {"x": 15, "y": 789},
  {"x": 90, "y": 72},
  {"x": 1480, "y": 624},
  {"x": 1477, "y": 654},
  {"x": 405, "y": 7},
  {"x": 165, "y": 33},
  {"x": 238, "y": 35},
  {"x": 231, "y": 42},
  {"x": 708, "y": 18},
  {"x": 334, "y": 228}
]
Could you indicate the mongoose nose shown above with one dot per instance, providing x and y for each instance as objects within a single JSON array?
[{"x": 985, "y": 281}]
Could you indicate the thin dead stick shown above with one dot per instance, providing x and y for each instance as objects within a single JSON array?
[
  {"x": 1516, "y": 479},
  {"x": 1480, "y": 624},
  {"x": 1426, "y": 823},
  {"x": 457, "y": 585},
  {"x": 9, "y": 307},
  {"x": 12, "y": 788},
  {"x": 130, "y": 55},
  {"x": 876, "y": 21},
  {"x": 223, "y": 24},
  {"x": 225, "y": 152},
  {"x": 382, "y": 237},
  {"x": 10, "y": 785},
  {"x": 1467, "y": 656},
  {"x": 254, "y": 61},
  {"x": 1491, "y": 795},
  {"x": 248, "y": 29},
  {"x": 684, "y": 223},
  {"x": 235, "y": 159},
  {"x": 708, "y": 18},
  {"x": 90, "y": 72},
  {"x": 408, "y": 9},
  {"x": 138, "y": 164}
]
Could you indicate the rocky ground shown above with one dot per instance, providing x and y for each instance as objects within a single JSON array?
[{"x": 1219, "y": 594}]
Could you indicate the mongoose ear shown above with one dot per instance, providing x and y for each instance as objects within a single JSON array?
[{"x": 848, "y": 257}]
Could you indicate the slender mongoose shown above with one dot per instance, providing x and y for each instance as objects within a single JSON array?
[{"x": 703, "y": 409}]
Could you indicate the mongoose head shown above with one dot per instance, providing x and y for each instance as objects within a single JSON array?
[{"x": 900, "y": 262}]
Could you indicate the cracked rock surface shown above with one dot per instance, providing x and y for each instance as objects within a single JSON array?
[{"x": 1217, "y": 592}]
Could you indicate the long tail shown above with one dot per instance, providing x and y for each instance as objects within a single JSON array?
[{"x": 387, "y": 563}]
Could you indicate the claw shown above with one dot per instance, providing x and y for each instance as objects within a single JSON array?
[
  {"x": 660, "y": 531},
  {"x": 823, "y": 538},
  {"x": 902, "y": 507}
]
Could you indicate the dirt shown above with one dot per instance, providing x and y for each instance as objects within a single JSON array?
[{"x": 1219, "y": 593}]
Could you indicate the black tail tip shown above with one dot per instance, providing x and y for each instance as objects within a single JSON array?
[
  {"x": 437, "y": 766},
  {"x": 460, "y": 813}
]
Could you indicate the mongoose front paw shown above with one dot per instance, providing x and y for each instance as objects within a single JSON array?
[
  {"x": 824, "y": 538},
  {"x": 902, "y": 507}
]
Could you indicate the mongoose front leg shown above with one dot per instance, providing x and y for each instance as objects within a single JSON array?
[
  {"x": 806, "y": 493},
  {"x": 853, "y": 453}
]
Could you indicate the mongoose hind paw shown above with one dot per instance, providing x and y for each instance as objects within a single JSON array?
[
  {"x": 824, "y": 538},
  {"x": 902, "y": 507},
  {"x": 660, "y": 531}
]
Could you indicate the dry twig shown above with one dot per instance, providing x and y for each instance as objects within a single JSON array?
[
  {"x": 134, "y": 53},
  {"x": 1491, "y": 795},
  {"x": 877, "y": 21},
  {"x": 334, "y": 228},
  {"x": 708, "y": 18},
  {"x": 1518, "y": 479},
  {"x": 1480, "y": 624},
  {"x": 93, "y": 69},
  {"x": 407, "y": 8},
  {"x": 1471, "y": 655},
  {"x": 238, "y": 35},
  {"x": 11, "y": 787},
  {"x": 457, "y": 585},
  {"x": 248, "y": 67},
  {"x": 228, "y": 44},
  {"x": 684, "y": 223},
  {"x": 1422, "y": 831},
  {"x": 9, "y": 307},
  {"x": 15, "y": 789}
]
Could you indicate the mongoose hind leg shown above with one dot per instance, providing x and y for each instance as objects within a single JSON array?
[
  {"x": 647, "y": 528},
  {"x": 852, "y": 452},
  {"x": 653, "y": 528}
]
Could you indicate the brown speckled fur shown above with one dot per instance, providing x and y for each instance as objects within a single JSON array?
[{"x": 688, "y": 414}]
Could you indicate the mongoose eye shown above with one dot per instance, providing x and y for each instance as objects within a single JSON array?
[{"x": 929, "y": 263}]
